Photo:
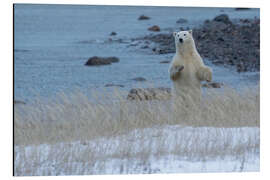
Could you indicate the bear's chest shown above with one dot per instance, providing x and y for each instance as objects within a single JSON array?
[{"x": 189, "y": 70}]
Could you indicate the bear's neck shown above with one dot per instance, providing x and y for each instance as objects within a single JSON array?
[{"x": 186, "y": 50}]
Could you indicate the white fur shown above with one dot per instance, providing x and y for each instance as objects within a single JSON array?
[{"x": 187, "y": 82}]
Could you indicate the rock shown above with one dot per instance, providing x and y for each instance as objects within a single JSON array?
[
  {"x": 113, "y": 59},
  {"x": 19, "y": 102},
  {"x": 240, "y": 67},
  {"x": 160, "y": 93},
  {"x": 21, "y": 50},
  {"x": 143, "y": 17},
  {"x": 241, "y": 9},
  {"x": 215, "y": 27},
  {"x": 220, "y": 39},
  {"x": 223, "y": 18},
  {"x": 245, "y": 20},
  {"x": 134, "y": 43},
  {"x": 115, "y": 85},
  {"x": 164, "y": 62},
  {"x": 113, "y": 33},
  {"x": 97, "y": 61},
  {"x": 139, "y": 79},
  {"x": 212, "y": 85},
  {"x": 207, "y": 21},
  {"x": 154, "y": 28},
  {"x": 145, "y": 47},
  {"x": 181, "y": 21}
]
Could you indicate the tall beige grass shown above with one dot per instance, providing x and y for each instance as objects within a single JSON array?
[{"x": 76, "y": 117}]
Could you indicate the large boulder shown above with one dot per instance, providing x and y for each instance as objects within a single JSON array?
[
  {"x": 139, "y": 79},
  {"x": 114, "y": 85},
  {"x": 154, "y": 28},
  {"x": 143, "y": 17},
  {"x": 242, "y": 9},
  {"x": 223, "y": 18},
  {"x": 160, "y": 93},
  {"x": 181, "y": 21},
  {"x": 97, "y": 61},
  {"x": 212, "y": 85},
  {"x": 164, "y": 62},
  {"x": 19, "y": 102},
  {"x": 113, "y": 33}
]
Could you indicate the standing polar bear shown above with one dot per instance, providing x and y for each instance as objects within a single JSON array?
[{"x": 187, "y": 69}]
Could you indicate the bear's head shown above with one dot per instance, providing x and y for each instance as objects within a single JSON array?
[{"x": 183, "y": 39}]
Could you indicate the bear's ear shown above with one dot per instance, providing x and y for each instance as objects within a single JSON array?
[
  {"x": 174, "y": 34},
  {"x": 190, "y": 31}
]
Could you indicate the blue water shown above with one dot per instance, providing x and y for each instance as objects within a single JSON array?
[{"x": 52, "y": 43}]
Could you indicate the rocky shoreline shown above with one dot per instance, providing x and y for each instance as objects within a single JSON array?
[{"x": 221, "y": 40}]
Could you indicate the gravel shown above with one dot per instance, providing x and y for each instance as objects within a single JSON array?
[{"x": 221, "y": 41}]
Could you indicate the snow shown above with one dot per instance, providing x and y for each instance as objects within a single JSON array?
[{"x": 170, "y": 149}]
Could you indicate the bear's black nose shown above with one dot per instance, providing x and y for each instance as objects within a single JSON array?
[{"x": 180, "y": 40}]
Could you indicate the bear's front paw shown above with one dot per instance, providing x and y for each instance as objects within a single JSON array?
[
  {"x": 208, "y": 74},
  {"x": 179, "y": 68},
  {"x": 175, "y": 72}
]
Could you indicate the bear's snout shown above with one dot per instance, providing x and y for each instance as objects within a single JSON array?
[{"x": 180, "y": 40}]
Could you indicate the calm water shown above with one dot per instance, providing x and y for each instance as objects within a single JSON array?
[{"x": 52, "y": 43}]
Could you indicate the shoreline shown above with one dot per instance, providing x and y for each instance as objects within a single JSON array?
[{"x": 222, "y": 41}]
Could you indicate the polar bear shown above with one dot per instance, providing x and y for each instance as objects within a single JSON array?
[{"x": 187, "y": 69}]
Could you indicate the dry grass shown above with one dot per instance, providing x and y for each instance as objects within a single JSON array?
[
  {"x": 109, "y": 134},
  {"x": 76, "y": 117}
]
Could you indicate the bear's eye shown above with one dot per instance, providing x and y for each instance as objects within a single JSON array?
[{"x": 184, "y": 34}]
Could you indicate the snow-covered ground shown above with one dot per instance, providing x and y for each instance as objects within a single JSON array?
[{"x": 168, "y": 149}]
